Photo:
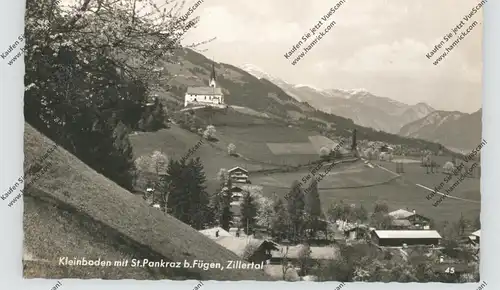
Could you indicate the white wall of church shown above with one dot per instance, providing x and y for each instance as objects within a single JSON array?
[{"x": 202, "y": 99}]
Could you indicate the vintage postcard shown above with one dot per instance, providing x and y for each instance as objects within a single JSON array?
[{"x": 251, "y": 140}]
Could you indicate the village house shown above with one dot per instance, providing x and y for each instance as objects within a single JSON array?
[
  {"x": 238, "y": 175},
  {"x": 205, "y": 96},
  {"x": 355, "y": 232},
  {"x": 259, "y": 251},
  {"x": 394, "y": 238},
  {"x": 416, "y": 221}
]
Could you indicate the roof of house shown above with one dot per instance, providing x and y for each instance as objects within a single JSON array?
[
  {"x": 408, "y": 234},
  {"x": 401, "y": 214},
  {"x": 237, "y": 245},
  {"x": 204, "y": 91},
  {"x": 477, "y": 233},
  {"x": 237, "y": 167},
  {"x": 211, "y": 232}
]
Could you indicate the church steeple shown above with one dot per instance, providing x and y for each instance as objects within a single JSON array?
[{"x": 212, "y": 76}]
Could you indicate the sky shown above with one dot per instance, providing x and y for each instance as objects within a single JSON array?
[{"x": 377, "y": 45}]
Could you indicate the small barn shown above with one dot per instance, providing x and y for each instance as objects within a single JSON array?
[
  {"x": 255, "y": 250},
  {"x": 396, "y": 238}
]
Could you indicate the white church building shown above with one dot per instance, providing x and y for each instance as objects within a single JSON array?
[{"x": 205, "y": 96}]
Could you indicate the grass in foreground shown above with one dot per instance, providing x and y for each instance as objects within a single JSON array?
[{"x": 72, "y": 210}]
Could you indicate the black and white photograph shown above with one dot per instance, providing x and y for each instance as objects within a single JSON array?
[{"x": 267, "y": 140}]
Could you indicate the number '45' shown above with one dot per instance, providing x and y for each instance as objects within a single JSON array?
[{"x": 450, "y": 270}]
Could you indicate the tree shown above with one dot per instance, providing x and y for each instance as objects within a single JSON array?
[
  {"x": 221, "y": 201},
  {"x": 156, "y": 163},
  {"x": 231, "y": 149},
  {"x": 312, "y": 207},
  {"x": 381, "y": 207},
  {"x": 209, "y": 132},
  {"x": 477, "y": 222},
  {"x": 265, "y": 213},
  {"x": 187, "y": 193},
  {"x": 360, "y": 214},
  {"x": 279, "y": 224},
  {"x": 324, "y": 152},
  {"x": 286, "y": 264},
  {"x": 159, "y": 162},
  {"x": 381, "y": 221},
  {"x": 88, "y": 69},
  {"x": 223, "y": 177},
  {"x": 462, "y": 225},
  {"x": 304, "y": 260},
  {"x": 339, "y": 211},
  {"x": 154, "y": 117},
  {"x": 295, "y": 208},
  {"x": 369, "y": 153},
  {"x": 448, "y": 167},
  {"x": 248, "y": 213}
]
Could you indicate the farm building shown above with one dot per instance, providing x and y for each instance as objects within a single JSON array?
[
  {"x": 475, "y": 237},
  {"x": 417, "y": 221},
  {"x": 401, "y": 224},
  {"x": 260, "y": 251},
  {"x": 354, "y": 231},
  {"x": 238, "y": 175},
  {"x": 386, "y": 148},
  {"x": 211, "y": 95},
  {"x": 394, "y": 238}
]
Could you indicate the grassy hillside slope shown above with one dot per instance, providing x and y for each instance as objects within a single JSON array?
[
  {"x": 189, "y": 68},
  {"x": 74, "y": 211}
]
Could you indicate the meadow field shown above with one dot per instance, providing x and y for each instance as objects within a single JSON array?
[
  {"x": 351, "y": 182},
  {"x": 367, "y": 186},
  {"x": 253, "y": 142},
  {"x": 175, "y": 142}
]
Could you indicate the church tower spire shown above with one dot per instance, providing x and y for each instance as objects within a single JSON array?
[{"x": 212, "y": 76}]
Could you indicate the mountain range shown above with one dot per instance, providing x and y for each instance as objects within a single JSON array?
[
  {"x": 455, "y": 130},
  {"x": 359, "y": 105}
]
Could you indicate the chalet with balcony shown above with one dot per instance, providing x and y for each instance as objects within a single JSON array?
[{"x": 238, "y": 175}]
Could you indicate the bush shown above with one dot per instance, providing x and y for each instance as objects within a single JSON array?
[
  {"x": 231, "y": 149},
  {"x": 209, "y": 132},
  {"x": 324, "y": 152}
]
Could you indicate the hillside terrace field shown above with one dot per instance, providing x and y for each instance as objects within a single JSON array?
[
  {"x": 175, "y": 142},
  {"x": 259, "y": 142}
]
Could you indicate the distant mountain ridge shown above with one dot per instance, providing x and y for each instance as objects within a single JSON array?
[
  {"x": 456, "y": 130},
  {"x": 359, "y": 105}
]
